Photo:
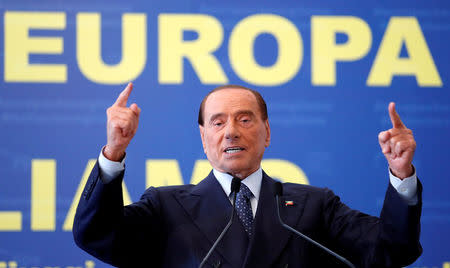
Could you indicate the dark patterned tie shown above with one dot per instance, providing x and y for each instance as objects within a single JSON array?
[{"x": 244, "y": 208}]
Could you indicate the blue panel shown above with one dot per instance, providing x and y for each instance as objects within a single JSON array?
[{"x": 330, "y": 132}]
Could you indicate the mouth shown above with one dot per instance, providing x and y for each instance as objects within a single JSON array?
[{"x": 233, "y": 150}]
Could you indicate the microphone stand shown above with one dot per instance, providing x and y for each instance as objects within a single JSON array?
[
  {"x": 339, "y": 257},
  {"x": 235, "y": 187}
]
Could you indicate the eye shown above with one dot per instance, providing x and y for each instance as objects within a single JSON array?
[
  {"x": 217, "y": 123},
  {"x": 245, "y": 120}
]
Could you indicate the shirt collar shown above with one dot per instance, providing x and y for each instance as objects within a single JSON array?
[{"x": 253, "y": 181}]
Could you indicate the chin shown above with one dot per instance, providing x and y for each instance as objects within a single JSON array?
[{"x": 236, "y": 169}]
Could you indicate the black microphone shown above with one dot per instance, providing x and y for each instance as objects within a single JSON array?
[
  {"x": 278, "y": 191},
  {"x": 235, "y": 187}
]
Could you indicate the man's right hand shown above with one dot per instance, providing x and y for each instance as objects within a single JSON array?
[{"x": 121, "y": 126}]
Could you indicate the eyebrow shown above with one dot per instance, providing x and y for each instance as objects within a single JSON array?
[{"x": 240, "y": 112}]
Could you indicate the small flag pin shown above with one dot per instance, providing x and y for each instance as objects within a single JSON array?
[{"x": 289, "y": 203}]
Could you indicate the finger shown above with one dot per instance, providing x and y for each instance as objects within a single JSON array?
[
  {"x": 383, "y": 139},
  {"x": 122, "y": 112},
  {"x": 400, "y": 147},
  {"x": 123, "y": 117},
  {"x": 120, "y": 124},
  {"x": 123, "y": 96},
  {"x": 385, "y": 148},
  {"x": 395, "y": 118},
  {"x": 384, "y": 136},
  {"x": 399, "y": 132},
  {"x": 401, "y": 144},
  {"x": 125, "y": 127},
  {"x": 135, "y": 109}
]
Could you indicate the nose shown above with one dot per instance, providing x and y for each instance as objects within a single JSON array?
[{"x": 232, "y": 131}]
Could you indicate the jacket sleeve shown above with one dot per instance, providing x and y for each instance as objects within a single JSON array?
[
  {"x": 107, "y": 230},
  {"x": 391, "y": 240}
]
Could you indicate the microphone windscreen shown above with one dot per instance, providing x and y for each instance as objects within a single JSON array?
[
  {"x": 235, "y": 185},
  {"x": 278, "y": 189}
]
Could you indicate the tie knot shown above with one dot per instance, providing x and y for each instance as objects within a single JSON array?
[{"x": 245, "y": 192}]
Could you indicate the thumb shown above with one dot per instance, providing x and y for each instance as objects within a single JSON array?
[{"x": 135, "y": 109}]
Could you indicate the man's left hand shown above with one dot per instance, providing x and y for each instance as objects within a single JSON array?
[{"x": 398, "y": 145}]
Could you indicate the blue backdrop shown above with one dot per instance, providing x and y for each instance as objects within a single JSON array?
[{"x": 327, "y": 69}]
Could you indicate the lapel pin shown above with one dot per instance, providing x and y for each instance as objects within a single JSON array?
[{"x": 289, "y": 203}]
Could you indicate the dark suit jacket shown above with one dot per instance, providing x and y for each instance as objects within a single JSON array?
[{"x": 175, "y": 226}]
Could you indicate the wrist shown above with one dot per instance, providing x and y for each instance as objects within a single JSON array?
[
  {"x": 113, "y": 155},
  {"x": 402, "y": 174}
]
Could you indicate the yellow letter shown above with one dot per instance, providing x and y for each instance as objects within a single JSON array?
[
  {"x": 290, "y": 50},
  {"x": 325, "y": 52},
  {"x": 43, "y": 194},
  {"x": 160, "y": 172},
  {"x": 134, "y": 49},
  {"x": 19, "y": 45},
  {"x": 201, "y": 170},
  {"x": 173, "y": 49},
  {"x": 277, "y": 168},
  {"x": 10, "y": 221},
  {"x": 389, "y": 63},
  {"x": 68, "y": 222},
  {"x": 89, "y": 264},
  {"x": 284, "y": 170}
]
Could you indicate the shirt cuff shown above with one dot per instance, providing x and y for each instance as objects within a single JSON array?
[
  {"x": 109, "y": 169},
  {"x": 406, "y": 188}
]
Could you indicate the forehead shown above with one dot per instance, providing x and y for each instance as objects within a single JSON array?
[{"x": 231, "y": 100}]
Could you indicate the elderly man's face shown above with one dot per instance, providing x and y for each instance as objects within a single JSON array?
[{"x": 234, "y": 136}]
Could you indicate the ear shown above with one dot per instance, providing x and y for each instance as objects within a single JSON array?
[
  {"x": 267, "y": 126},
  {"x": 202, "y": 136}
]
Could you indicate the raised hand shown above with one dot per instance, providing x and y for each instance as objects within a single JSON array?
[
  {"x": 121, "y": 126},
  {"x": 398, "y": 145}
]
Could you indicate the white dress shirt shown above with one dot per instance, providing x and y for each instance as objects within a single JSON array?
[
  {"x": 407, "y": 188},
  {"x": 253, "y": 182}
]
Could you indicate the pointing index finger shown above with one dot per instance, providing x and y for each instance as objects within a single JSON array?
[
  {"x": 395, "y": 118},
  {"x": 123, "y": 96}
]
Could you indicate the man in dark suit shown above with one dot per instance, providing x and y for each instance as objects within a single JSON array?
[{"x": 175, "y": 226}]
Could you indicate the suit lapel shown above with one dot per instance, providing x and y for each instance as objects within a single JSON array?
[
  {"x": 270, "y": 237},
  {"x": 210, "y": 210}
]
